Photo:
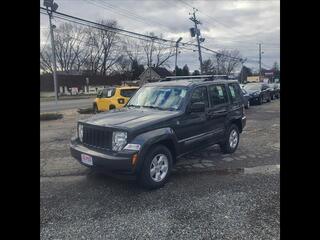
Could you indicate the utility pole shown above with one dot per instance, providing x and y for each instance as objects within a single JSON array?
[
  {"x": 242, "y": 62},
  {"x": 260, "y": 62},
  {"x": 152, "y": 41},
  {"x": 197, "y": 31},
  {"x": 177, "y": 45},
  {"x": 53, "y": 7}
]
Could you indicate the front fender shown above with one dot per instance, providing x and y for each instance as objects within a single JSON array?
[{"x": 147, "y": 139}]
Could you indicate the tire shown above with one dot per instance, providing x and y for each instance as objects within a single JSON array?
[
  {"x": 260, "y": 100},
  {"x": 112, "y": 107},
  {"x": 146, "y": 178},
  {"x": 269, "y": 98},
  {"x": 95, "y": 109},
  {"x": 230, "y": 145}
]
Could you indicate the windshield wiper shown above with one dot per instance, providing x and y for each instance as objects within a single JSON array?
[
  {"x": 131, "y": 105},
  {"x": 154, "y": 107}
]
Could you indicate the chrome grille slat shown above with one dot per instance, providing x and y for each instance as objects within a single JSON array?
[{"x": 97, "y": 137}]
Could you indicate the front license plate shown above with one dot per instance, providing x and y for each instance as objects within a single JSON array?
[{"x": 86, "y": 159}]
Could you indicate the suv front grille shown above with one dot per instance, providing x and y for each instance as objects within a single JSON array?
[{"x": 98, "y": 138}]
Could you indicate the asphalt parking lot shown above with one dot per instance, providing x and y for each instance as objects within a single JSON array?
[{"x": 209, "y": 196}]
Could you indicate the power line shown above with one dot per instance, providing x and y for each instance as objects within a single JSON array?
[
  {"x": 135, "y": 15},
  {"x": 113, "y": 10},
  {"x": 123, "y": 31}
]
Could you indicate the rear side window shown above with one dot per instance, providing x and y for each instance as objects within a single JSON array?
[
  {"x": 108, "y": 92},
  {"x": 127, "y": 92},
  {"x": 200, "y": 95},
  {"x": 234, "y": 92},
  {"x": 218, "y": 94}
]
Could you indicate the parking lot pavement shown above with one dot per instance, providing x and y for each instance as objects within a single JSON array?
[
  {"x": 190, "y": 206},
  {"x": 51, "y": 106},
  {"x": 259, "y": 145},
  {"x": 209, "y": 196}
]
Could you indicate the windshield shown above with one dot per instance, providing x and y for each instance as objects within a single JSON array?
[
  {"x": 252, "y": 87},
  {"x": 163, "y": 98}
]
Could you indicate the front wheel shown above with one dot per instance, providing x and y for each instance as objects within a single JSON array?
[
  {"x": 156, "y": 168},
  {"x": 231, "y": 143},
  {"x": 260, "y": 100},
  {"x": 95, "y": 109}
]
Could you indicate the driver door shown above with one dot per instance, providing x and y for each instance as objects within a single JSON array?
[{"x": 193, "y": 125}]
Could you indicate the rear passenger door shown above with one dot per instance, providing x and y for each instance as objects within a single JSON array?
[{"x": 218, "y": 110}]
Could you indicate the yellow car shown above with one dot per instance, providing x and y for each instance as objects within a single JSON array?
[{"x": 112, "y": 98}]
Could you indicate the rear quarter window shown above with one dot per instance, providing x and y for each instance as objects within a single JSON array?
[{"x": 235, "y": 93}]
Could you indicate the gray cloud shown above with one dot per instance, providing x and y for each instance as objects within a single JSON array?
[{"x": 225, "y": 24}]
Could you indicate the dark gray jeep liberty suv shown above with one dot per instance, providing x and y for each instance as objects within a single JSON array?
[{"x": 160, "y": 123}]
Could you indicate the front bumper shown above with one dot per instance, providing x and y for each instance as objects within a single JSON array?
[{"x": 117, "y": 163}]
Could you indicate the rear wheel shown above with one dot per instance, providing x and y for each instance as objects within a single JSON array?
[
  {"x": 232, "y": 140},
  {"x": 156, "y": 168},
  {"x": 269, "y": 98}
]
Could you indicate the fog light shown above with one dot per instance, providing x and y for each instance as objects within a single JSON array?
[{"x": 134, "y": 159}]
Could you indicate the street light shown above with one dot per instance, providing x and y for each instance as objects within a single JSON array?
[
  {"x": 52, "y": 7},
  {"x": 177, "y": 44}
]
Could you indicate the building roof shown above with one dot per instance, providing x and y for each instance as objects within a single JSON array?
[{"x": 162, "y": 72}]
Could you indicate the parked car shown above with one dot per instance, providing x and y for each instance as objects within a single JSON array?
[
  {"x": 112, "y": 98},
  {"x": 161, "y": 122},
  {"x": 275, "y": 90},
  {"x": 246, "y": 98},
  {"x": 258, "y": 92}
]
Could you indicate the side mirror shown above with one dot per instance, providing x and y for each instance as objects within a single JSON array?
[{"x": 197, "y": 107}]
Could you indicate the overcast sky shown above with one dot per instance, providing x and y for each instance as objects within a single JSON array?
[{"x": 226, "y": 24}]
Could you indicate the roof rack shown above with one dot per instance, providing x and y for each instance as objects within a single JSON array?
[{"x": 196, "y": 77}]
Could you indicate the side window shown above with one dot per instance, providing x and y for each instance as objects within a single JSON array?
[
  {"x": 234, "y": 92},
  {"x": 108, "y": 92},
  {"x": 218, "y": 94},
  {"x": 200, "y": 95}
]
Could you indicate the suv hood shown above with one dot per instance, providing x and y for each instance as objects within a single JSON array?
[{"x": 130, "y": 118}]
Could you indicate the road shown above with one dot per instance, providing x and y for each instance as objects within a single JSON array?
[
  {"x": 210, "y": 195},
  {"x": 51, "y": 106}
]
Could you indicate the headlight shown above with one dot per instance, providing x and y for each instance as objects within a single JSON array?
[
  {"x": 80, "y": 132},
  {"x": 119, "y": 140},
  {"x": 256, "y": 93},
  {"x": 134, "y": 147}
]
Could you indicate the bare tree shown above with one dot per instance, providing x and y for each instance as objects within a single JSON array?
[
  {"x": 45, "y": 57},
  {"x": 225, "y": 62},
  {"x": 156, "y": 52},
  {"x": 132, "y": 49},
  {"x": 110, "y": 46},
  {"x": 163, "y": 54},
  {"x": 208, "y": 67},
  {"x": 69, "y": 41}
]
